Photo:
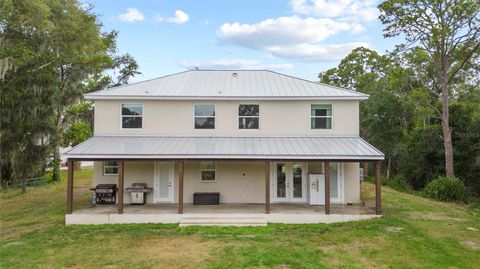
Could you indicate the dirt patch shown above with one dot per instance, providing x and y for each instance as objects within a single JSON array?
[
  {"x": 472, "y": 229},
  {"x": 177, "y": 252},
  {"x": 471, "y": 244},
  {"x": 393, "y": 229},
  {"x": 432, "y": 216},
  {"x": 354, "y": 249}
]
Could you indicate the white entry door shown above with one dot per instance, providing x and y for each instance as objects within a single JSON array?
[
  {"x": 289, "y": 182},
  {"x": 163, "y": 188}
]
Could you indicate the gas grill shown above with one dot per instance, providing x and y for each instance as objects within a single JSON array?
[
  {"x": 105, "y": 193},
  {"x": 138, "y": 193}
]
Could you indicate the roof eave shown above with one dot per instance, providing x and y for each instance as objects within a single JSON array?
[
  {"x": 139, "y": 97},
  {"x": 224, "y": 157}
]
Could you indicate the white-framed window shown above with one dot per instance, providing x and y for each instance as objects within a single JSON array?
[
  {"x": 204, "y": 116},
  {"x": 208, "y": 171},
  {"x": 248, "y": 116},
  {"x": 110, "y": 168},
  {"x": 321, "y": 116},
  {"x": 132, "y": 116}
]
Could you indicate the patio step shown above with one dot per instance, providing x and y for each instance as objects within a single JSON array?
[{"x": 223, "y": 221}]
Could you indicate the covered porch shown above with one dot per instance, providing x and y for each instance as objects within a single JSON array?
[
  {"x": 235, "y": 213},
  {"x": 128, "y": 149}
]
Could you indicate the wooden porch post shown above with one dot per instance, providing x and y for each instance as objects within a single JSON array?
[
  {"x": 121, "y": 169},
  {"x": 378, "y": 188},
  {"x": 327, "y": 188},
  {"x": 70, "y": 164},
  {"x": 267, "y": 187},
  {"x": 181, "y": 168}
]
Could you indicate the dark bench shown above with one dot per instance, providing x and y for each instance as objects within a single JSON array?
[{"x": 206, "y": 198}]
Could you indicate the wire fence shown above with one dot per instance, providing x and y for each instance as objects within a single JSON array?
[{"x": 24, "y": 183}]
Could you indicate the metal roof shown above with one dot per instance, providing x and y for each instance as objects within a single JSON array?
[
  {"x": 186, "y": 147},
  {"x": 227, "y": 84}
]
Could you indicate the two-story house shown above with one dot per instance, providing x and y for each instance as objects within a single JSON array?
[{"x": 243, "y": 137}]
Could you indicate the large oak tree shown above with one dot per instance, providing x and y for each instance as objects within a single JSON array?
[
  {"x": 449, "y": 30},
  {"x": 51, "y": 53}
]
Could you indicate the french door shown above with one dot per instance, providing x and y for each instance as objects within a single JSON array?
[
  {"x": 289, "y": 182},
  {"x": 163, "y": 186},
  {"x": 336, "y": 182}
]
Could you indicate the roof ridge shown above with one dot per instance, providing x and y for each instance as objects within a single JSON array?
[{"x": 317, "y": 89}]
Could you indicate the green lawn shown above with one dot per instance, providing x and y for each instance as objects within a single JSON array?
[{"x": 414, "y": 233}]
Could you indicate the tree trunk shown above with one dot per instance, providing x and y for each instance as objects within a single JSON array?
[
  {"x": 56, "y": 164},
  {"x": 447, "y": 134},
  {"x": 365, "y": 168},
  {"x": 78, "y": 165},
  {"x": 389, "y": 164}
]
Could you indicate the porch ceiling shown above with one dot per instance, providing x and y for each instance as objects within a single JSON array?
[{"x": 258, "y": 148}]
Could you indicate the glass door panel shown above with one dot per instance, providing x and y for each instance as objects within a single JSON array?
[
  {"x": 281, "y": 180},
  {"x": 164, "y": 182},
  {"x": 297, "y": 181},
  {"x": 334, "y": 181},
  {"x": 163, "y": 186}
]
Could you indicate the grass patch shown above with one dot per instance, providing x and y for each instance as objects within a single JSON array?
[{"x": 414, "y": 233}]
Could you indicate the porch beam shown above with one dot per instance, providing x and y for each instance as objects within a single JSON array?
[
  {"x": 267, "y": 187},
  {"x": 378, "y": 187},
  {"x": 121, "y": 170},
  {"x": 181, "y": 168},
  {"x": 70, "y": 164},
  {"x": 327, "y": 188}
]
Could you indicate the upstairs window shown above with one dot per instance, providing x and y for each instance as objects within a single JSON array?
[
  {"x": 248, "y": 116},
  {"x": 204, "y": 116},
  {"x": 132, "y": 116},
  {"x": 208, "y": 171},
  {"x": 321, "y": 116},
  {"x": 110, "y": 168}
]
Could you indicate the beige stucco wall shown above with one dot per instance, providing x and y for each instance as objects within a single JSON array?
[
  {"x": 352, "y": 182},
  {"x": 276, "y": 118},
  {"x": 237, "y": 181}
]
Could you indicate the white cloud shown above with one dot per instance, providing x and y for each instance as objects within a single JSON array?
[
  {"x": 283, "y": 31},
  {"x": 180, "y": 18},
  {"x": 316, "y": 53},
  {"x": 292, "y": 37},
  {"x": 131, "y": 15},
  {"x": 352, "y": 10},
  {"x": 232, "y": 63}
]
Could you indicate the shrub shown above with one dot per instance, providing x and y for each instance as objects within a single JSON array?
[
  {"x": 446, "y": 189},
  {"x": 397, "y": 183}
]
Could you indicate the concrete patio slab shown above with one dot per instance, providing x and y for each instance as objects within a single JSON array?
[{"x": 224, "y": 214}]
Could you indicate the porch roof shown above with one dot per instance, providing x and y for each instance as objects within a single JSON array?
[{"x": 259, "y": 148}]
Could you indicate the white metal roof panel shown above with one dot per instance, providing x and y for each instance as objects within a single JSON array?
[
  {"x": 186, "y": 147},
  {"x": 227, "y": 84}
]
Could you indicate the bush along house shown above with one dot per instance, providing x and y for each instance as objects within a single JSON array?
[{"x": 225, "y": 147}]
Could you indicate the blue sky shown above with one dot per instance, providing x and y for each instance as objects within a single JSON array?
[{"x": 296, "y": 37}]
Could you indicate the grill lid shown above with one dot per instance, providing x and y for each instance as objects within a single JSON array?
[
  {"x": 139, "y": 187},
  {"x": 106, "y": 186}
]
